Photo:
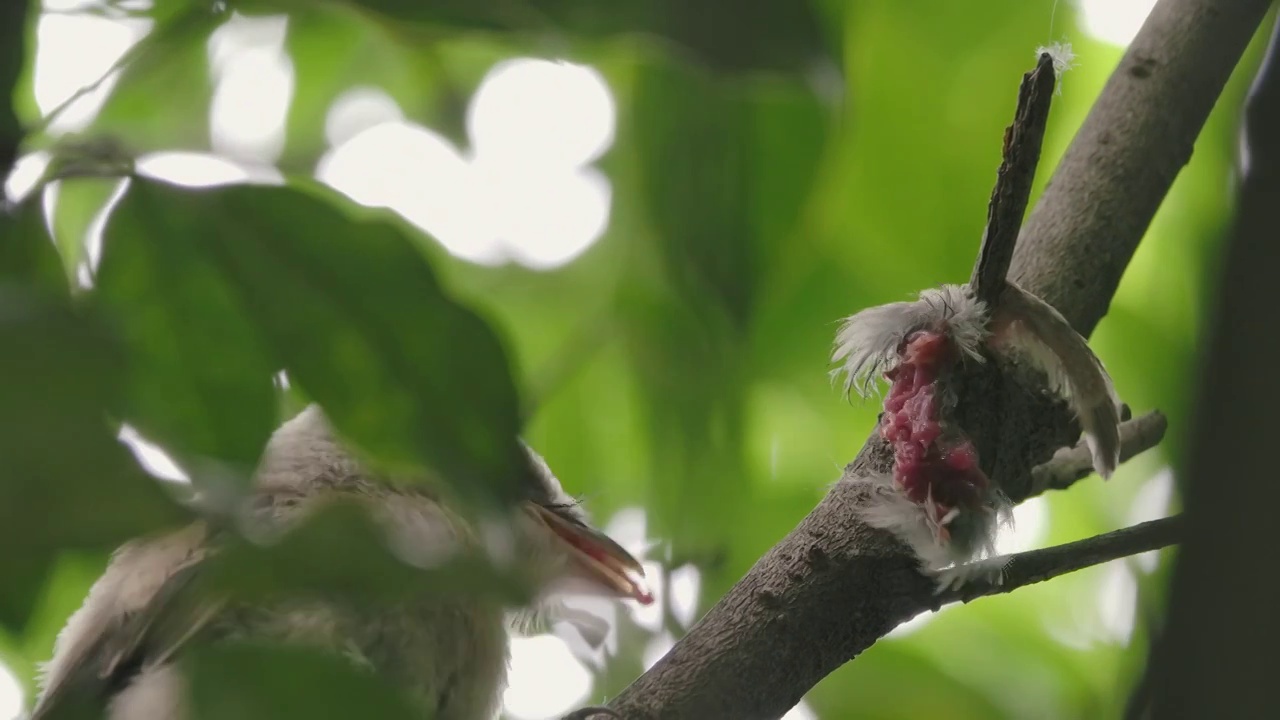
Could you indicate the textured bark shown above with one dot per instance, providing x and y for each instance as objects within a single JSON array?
[
  {"x": 1014, "y": 180},
  {"x": 833, "y": 586},
  {"x": 1136, "y": 139},
  {"x": 1071, "y": 465},
  {"x": 1036, "y": 566}
]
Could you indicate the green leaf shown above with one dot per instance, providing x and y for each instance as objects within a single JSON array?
[
  {"x": 163, "y": 95},
  {"x": 27, "y": 254},
  {"x": 251, "y": 682},
  {"x": 67, "y": 482},
  {"x": 200, "y": 380},
  {"x": 80, "y": 201},
  {"x": 340, "y": 550},
  {"x": 335, "y": 49},
  {"x": 783, "y": 35},
  {"x": 354, "y": 313}
]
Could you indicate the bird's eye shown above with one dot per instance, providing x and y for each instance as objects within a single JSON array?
[{"x": 566, "y": 511}]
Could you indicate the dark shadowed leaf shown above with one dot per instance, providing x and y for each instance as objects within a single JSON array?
[
  {"x": 199, "y": 378},
  {"x": 249, "y": 682},
  {"x": 67, "y": 482},
  {"x": 780, "y": 35},
  {"x": 27, "y": 255},
  {"x": 341, "y": 550},
  {"x": 354, "y": 313}
]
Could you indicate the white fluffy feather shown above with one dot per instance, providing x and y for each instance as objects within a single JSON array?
[
  {"x": 867, "y": 343},
  {"x": 950, "y": 563}
]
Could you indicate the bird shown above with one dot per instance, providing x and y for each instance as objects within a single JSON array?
[{"x": 118, "y": 654}]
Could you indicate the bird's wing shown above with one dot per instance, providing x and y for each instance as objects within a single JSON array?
[
  {"x": 1032, "y": 326},
  {"x": 143, "y": 609}
]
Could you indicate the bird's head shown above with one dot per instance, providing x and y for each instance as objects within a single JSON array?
[{"x": 573, "y": 556}]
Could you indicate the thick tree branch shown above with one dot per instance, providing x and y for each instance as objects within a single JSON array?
[
  {"x": 1070, "y": 465},
  {"x": 1017, "y": 173},
  {"x": 1122, "y": 162},
  {"x": 834, "y": 586},
  {"x": 1029, "y": 568}
]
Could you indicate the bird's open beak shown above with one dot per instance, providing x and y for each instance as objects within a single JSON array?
[{"x": 601, "y": 561}]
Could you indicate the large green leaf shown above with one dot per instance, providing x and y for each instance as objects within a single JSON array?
[
  {"x": 770, "y": 35},
  {"x": 67, "y": 482},
  {"x": 351, "y": 309},
  {"x": 251, "y": 682},
  {"x": 199, "y": 376},
  {"x": 341, "y": 550},
  {"x": 13, "y": 35}
]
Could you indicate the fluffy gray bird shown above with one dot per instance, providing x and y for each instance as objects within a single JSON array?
[{"x": 116, "y": 654}]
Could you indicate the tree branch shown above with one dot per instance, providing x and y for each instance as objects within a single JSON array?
[
  {"x": 833, "y": 586},
  {"x": 1029, "y": 568},
  {"x": 1071, "y": 465},
  {"x": 1017, "y": 173},
  {"x": 1077, "y": 242}
]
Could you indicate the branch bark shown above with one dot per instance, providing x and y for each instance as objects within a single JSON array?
[
  {"x": 1073, "y": 464},
  {"x": 832, "y": 587},
  {"x": 1020, "y": 156},
  {"x": 1033, "y": 566},
  {"x": 1138, "y": 136}
]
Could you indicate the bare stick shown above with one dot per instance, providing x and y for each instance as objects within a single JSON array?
[
  {"x": 1035, "y": 566},
  {"x": 1021, "y": 155}
]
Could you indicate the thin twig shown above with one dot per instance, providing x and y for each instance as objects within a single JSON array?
[
  {"x": 1035, "y": 566},
  {"x": 1021, "y": 155},
  {"x": 1070, "y": 465}
]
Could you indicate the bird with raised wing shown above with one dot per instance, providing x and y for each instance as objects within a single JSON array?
[{"x": 119, "y": 656}]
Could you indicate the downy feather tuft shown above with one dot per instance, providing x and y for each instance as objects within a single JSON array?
[{"x": 867, "y": 343}]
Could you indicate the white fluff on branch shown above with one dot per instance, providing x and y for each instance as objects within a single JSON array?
[{"x": 867, "y": 343}]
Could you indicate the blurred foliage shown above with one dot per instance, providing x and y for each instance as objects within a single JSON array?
[{"x": 776, "y": 165}]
